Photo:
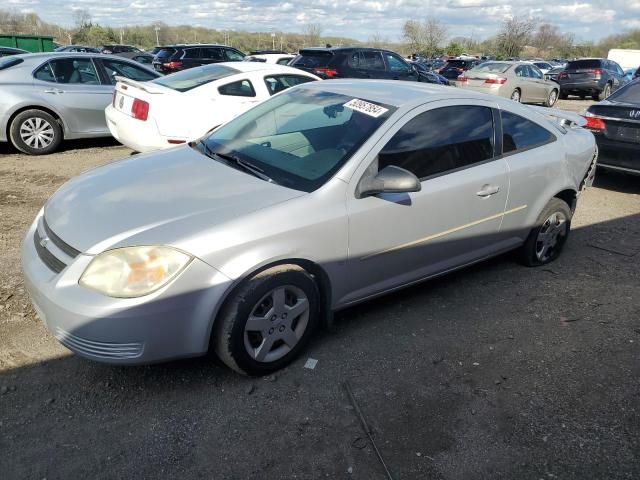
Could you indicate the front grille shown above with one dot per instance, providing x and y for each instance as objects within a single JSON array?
[
  {"x": 46, "y": 256},
  {"x": 104, "y": 350},
  {"x": 58, "y": 242}
]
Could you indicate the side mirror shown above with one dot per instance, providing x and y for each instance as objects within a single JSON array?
[{"x": 390, "y": 179}]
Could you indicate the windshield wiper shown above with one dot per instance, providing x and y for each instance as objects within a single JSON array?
[{"x": 243, "y": 164}]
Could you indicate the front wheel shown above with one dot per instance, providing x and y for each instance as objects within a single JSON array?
[
  {"x": 515, "y": 96},
  {"x": 35, "y": 132},
  {"x": 268, "y": 320},
  {"x": 546, "y": 240}
]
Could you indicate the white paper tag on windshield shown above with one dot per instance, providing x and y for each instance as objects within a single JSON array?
[{"x": 367, "y": 108}]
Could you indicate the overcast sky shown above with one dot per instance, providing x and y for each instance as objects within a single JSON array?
[{"x": 360, "y": 19}]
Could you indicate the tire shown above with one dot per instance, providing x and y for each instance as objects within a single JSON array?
[
  {"x": 516, "y": 96},
  {"x": 563, "y": 96},
  {"x": 604, "y": 93},
  {"x": 533, "y": 253},
  {"x": 46, "y": 137},
  {"x": 582, "y": 96},
  {"x": 243, "y": 349},
  {"x": 551, "y": 99}
]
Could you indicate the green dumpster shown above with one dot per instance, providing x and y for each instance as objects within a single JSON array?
[{"x": 30, "y": 43}]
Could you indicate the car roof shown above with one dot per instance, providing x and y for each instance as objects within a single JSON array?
[
  {"x": 243, "y": 67},
  {"x": 344, "y": 48}
]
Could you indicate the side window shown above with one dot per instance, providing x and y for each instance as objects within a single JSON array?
[
  {"x": 192, "y": 53},
  {"x": 522, "y": 71},
  {"x": 242, "y": 88},
  {"x": 354, "y": 60},
  {"x": 284, "y": 61},
  {"x": 441, "y": 140},
  {"x": 124, "y": 69},
  {"x": 371, "y": 60},
  {"x": 212, "y": 54},
  {"x": 396, "y": 64},
  {"x": 233, "y": 56},
  {"x": 278, "y": 83},
  {"x": 45, "y": 73},
  {"x": 75, "y": 70},
  {"x": 518, "y": 133}
]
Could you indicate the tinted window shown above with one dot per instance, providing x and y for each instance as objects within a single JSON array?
[
  {"x": 278, "y": 83},
  {"x": 195, "y": 77},
  {"x": 165, "y": 53},
  {"x": 192, "y": 53},
  {"x": 441, "y": 140},
  {"x": 242, "y": 88},
  {"x": 371, "y": 60},
  {"x": 396, "y": 64},
  {"x": 630, "y": 93},
  {"x": 74, "y": 70},
  {"x": 212, "y": 54},
  {"x": 9, "y": 62},
  {"x": 312, "y": 59},
  {"x": 233, "y": 56},
  {"x": 143, "y": 59},
  {"x": 124, "y": 69},
  {"x": 580, "y": 64},
  {"x": 519, "y": 133}
]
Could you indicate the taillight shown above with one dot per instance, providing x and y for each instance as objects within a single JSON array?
[
  {"x": 460, "y": 69},
  {"x": 596, "y": 71},
  {"x": 563, "y": 75},
  {"x": 462, "y": 78},
  {"x": 140, "y": 109},
  {"x": 496, "y": 81},
  {"x": 328, "y": 72},
  {"x": 174, "y": 141},
  {"x": 594, "y": 123},
  {"x": 172, "y": 64}
]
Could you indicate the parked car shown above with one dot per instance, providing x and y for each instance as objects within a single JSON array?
[
  {"x": 115, "y": 49},
  {"x": 354, "y": 62},
  {"x": 544, "y": 67},
  {"x": 629, "y": 73},
  {"x": 144, "y": 58},
  {"x": 321, "y": 197},
  {"x": 553, "y": 74},
  {"x": 182, "y": 57},
  {"x": 77, "y": 49},
  {"x": 277, "y": 58},
  {"x": 7, "y": 51},
  {"x": 597, "y": 77},
  {"x": 428, "y": 76},
  {"x": 56, "y": 96},
  {"x": 636, "y": 75},
  {"x": 615, "y": 122},
  {"x": 186, "y": 105},
  {"x": 456, "y": 67},
  {"x": 519, "y": 81}
]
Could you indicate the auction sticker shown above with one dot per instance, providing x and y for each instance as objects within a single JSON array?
[{"x": 367, "y": 108}]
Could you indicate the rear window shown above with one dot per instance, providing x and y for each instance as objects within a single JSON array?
[
  {"x": 166, "y": 52},
  {"x": 580, "y": 64},
  {"x": 630, "y": 93},
  {"x": 458, "y": 63},
  {"x": 8, "y": 62},
  {"x": 312, "y": 59},
  {"x": 195, "y": 77},
  {"x": 492, "y": 67}
]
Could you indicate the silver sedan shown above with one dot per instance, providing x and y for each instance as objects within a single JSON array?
[
  {"x": 48, "y": 97},
  {"x": 519, "y": 81},
  {"x": 323, "y": 196}
]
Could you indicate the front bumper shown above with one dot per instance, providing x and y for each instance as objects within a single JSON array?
[{"x": 172, "y": 322}]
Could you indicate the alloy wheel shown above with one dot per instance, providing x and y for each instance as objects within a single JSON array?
[
  {"x": 276, "y": 324},
  {"x": 551, "y": 236}
]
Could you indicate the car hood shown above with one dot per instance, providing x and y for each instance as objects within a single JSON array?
[{"x": 159, "y": 198}]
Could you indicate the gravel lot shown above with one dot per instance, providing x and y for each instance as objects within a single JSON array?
[{"x": 497, "y": 371}]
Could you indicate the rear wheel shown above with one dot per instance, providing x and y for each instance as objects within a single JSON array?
[
  {"x": 546, "y": 240},
  {"x": 268, "y": 320},
  {"x": 552, "y": 98},
  {"x": 35, "y": 132},
  {"x": 515, "y": 96},
  {"x": 604, "y": 94}
]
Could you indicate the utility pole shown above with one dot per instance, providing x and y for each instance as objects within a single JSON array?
[
  {"x": 157, "y": 29},
  {"x": 121, "y": 35}
]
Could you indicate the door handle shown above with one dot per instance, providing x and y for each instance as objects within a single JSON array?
[
  {"x": 54, "y": 91},
  {"x": 488, "y": 190}
]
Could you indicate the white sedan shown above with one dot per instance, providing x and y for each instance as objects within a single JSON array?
[{"x": 183, "y": 106}]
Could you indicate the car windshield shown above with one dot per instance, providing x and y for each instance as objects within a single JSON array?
[
  {"x": 492, "y": 67},
  {"x": 195, "y": 77},
  {"x": 301, "y": 137},
  {"x": 630, "y": 93}
]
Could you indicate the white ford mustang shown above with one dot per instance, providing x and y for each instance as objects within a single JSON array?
[{"x": 183, "y": 106}]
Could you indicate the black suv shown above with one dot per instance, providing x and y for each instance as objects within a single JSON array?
[
  {"x": 119, "y": 49},
  {"x": 456, "y": 67},
  {"x": 174, "y": 58},
  {"x": 597, "y": 77},
  {"x": 354, "y": 62}
]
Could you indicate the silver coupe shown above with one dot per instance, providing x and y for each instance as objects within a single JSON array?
[{"x": 323, "y": 196}]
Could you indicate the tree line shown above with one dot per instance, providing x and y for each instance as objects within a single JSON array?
[{"x": 518, "y": 36}]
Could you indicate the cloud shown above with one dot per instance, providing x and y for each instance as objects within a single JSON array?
[{"x": 358, "y": 19}]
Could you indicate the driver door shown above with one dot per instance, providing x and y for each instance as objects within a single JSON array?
[{"x": 395, "y": 239}]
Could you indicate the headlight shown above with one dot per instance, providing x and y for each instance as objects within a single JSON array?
[{"x": 133, "y": 271}]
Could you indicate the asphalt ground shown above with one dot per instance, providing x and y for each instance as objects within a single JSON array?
[{"x": 496, "y": 371}]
